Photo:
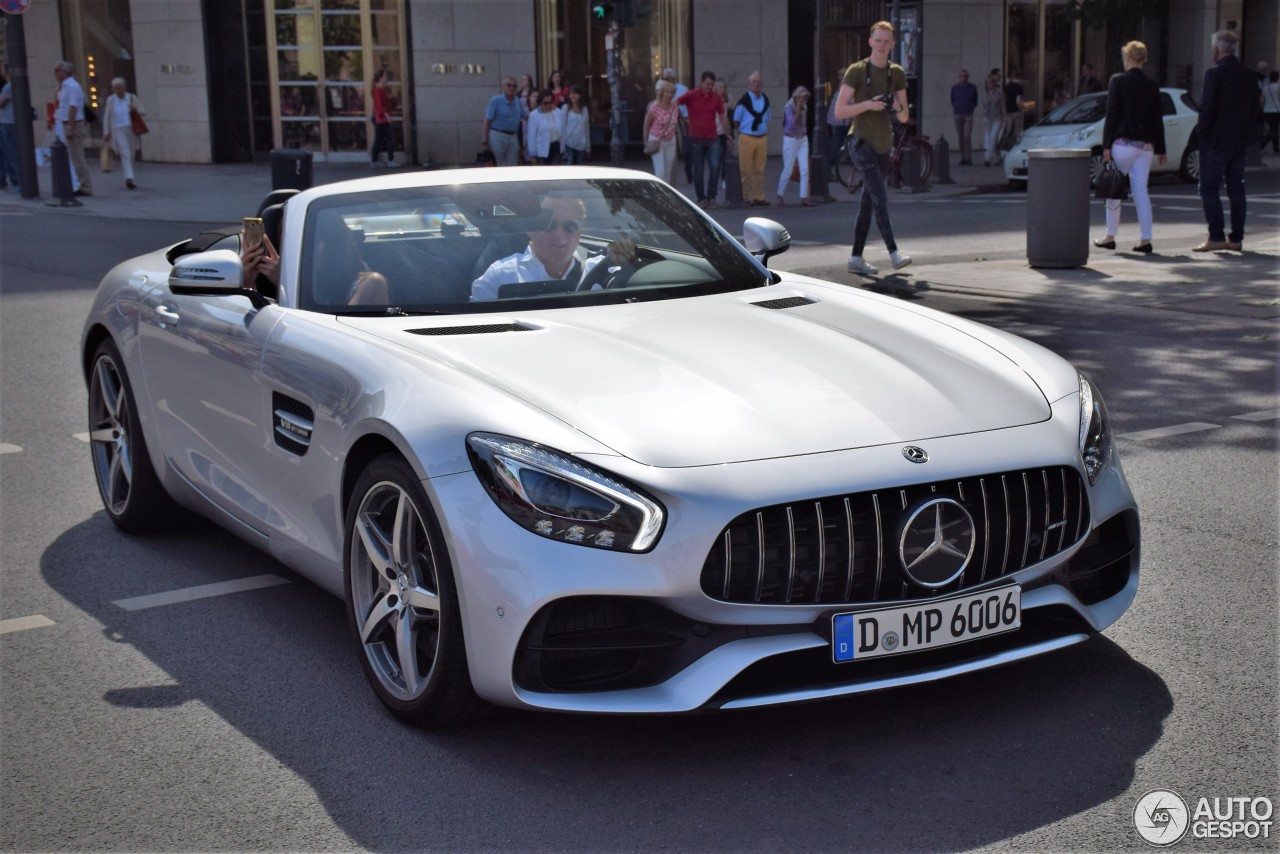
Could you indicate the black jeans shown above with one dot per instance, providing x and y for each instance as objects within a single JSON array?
[
  {"x": 1214, "y": 167},
  {"x": 874, "y": 198},
  {"x": 383, "y": 140}
]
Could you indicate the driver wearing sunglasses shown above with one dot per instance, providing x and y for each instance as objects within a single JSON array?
[{"x": 551, "y": 254}]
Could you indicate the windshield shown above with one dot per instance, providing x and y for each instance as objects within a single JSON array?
[
  {"x": 1081, "y": 111},
  {"x": 506, "y": 246}
]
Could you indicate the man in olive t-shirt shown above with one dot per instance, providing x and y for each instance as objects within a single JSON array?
[{"x": 873, "y": 90}]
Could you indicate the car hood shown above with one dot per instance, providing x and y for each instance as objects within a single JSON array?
[{"x": 722, "y": 379}]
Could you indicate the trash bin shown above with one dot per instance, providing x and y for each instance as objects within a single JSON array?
[
  {"x": 1058, "y": 207},
  {"x": 290, "y": 169}
]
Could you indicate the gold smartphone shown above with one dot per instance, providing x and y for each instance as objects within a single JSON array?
[{"x": 252, "y": 231}]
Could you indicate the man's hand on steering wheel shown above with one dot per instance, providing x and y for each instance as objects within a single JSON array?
[{"x": 621, "y": 251}]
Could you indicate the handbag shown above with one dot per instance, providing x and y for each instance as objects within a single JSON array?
[
  {"x": 486, "y": 158},
  {"x": 135, "y": 120},
  {"x": 651, "y": 146},
  {"x": 1112, "y": 183}
]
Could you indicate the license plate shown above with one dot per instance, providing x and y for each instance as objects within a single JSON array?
[{"x": 891, "y": 631}]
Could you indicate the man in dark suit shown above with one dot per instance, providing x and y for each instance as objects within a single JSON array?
[{"x": 1228, "y": 114}]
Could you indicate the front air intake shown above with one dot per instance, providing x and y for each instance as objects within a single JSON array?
[{"x": 785, "y": 302}]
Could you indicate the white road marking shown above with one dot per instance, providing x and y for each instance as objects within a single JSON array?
[
  {"x": 6, "y": 448},
  {"x": 202, "y": 591},
  {"x": 1264, "y": 415},
  {"x": 83, "y": 437},
  {"x": 1163, "y": 432},
  {"x": 21, "y": 624}
]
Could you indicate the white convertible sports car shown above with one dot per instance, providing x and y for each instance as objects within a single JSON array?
[{"x": 563, "y": 443}]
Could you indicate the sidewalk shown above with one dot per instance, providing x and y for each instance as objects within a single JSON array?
[{"x": 1245, "y": 285}]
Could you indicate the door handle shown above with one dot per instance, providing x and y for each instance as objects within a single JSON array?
[{"x": 168, "y": 317}]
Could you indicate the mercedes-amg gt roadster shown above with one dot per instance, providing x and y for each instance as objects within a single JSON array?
[{"x": 561, "y": 442}]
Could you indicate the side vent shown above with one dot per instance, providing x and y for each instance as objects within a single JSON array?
[
  {"x": 292, "y": 423},
  {"x": 785, "y": 302},
  {"x": 471, "y": 330}
]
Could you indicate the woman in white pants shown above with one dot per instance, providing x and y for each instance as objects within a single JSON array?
[
  {"x": 1132, "y": 136},
  {"x": 117, "y": 126},
  {"x": 661, "y": 119},
  {"x": 795, "y": 145}
]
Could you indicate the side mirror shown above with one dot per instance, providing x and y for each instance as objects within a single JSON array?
[
  {"x": 765, "y": 238},
  {"x": 217, "y": 272}
]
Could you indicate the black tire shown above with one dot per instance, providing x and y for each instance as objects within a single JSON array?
[
  {"x": 401, "y": 598},
  {"x": 1189, "y": 168},
  {"x": 131, "y": 492},
  {"x": 843, "y": 168},
  {"x": 926, "y": 158},
  {"x": 1095, "y": 167}
]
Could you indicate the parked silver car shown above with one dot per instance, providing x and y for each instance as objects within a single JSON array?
[
  {"x": 666, "y": 479},
  {"x": 1078, "y": 124}
]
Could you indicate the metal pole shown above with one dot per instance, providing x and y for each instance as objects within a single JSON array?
[
  {"x": 615, "y": 94},
  {"x": 20, "y": 87},
  {"x": 821, "y": 135}
]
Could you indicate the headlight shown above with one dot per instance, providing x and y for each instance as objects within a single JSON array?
[
  {"x": 1083, "y": 134},
  {"x": 1095, "y": 432},
  {"x": 560, "y": 498}
]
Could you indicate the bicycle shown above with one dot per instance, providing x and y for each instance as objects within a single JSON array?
[{"x": 905, "y": 138}]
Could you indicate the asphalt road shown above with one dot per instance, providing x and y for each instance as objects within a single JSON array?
[{"x": 243, "y": 722}]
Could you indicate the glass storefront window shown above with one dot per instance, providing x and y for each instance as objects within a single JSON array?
[
  {"x": 1043, "y": 45},
  {"x": 325, "y": 54}
]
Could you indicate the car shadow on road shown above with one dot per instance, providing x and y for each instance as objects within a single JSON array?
[{"x": 951, "y": 765}]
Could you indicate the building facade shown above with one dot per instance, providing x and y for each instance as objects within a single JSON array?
[{"x": 230, "y": 80}]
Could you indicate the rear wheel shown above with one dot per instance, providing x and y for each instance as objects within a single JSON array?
[
  {"x": 402, "y": 605},
  {"x": 1189, "y": 169},
  {"x": 131, "y": 492},
  {"x": 926, "y": 158}
]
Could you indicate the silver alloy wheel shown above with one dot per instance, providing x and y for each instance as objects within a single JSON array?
[
  {"x": 395, "y": 591},
  {"x": 109, "y": 434}
]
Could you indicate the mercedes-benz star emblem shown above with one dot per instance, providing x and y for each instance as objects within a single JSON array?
[
  {"x": 916, "y": 454},
  {"x": 937, "y": 542}
]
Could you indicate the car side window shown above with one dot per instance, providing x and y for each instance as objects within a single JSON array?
[{"x": 1166, "y": 105}]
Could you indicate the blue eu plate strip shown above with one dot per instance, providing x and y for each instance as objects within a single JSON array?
[{"x": 842, "y": 637}]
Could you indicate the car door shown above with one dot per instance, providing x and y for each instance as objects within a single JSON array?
[
  {"x": 1177, "y": 131},
  {"x": 202, "y": 360}
]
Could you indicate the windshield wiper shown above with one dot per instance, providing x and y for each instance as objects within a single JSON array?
[{"x": 391, "y": 311}]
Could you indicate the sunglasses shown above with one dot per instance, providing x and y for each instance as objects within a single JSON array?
[{"x": 568, "y": 226}]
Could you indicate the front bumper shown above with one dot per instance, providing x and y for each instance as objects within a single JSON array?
[{"x": 555, "y": 626}]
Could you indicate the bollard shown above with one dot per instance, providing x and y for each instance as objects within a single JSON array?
[
  {"x": 942, "y": 161},
  {"x": 912, "y": 170},
  {"x": 64, "y": 196},
  {"x": 732, "y": 175}
]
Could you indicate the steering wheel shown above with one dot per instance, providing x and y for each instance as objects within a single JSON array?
[{"x": 608, "y": 276}]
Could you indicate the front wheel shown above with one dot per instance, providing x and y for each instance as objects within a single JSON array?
[
  {"x": 402, "y": 605},
  {"x": 131, "y": 492},
  {"x": 1095, "y": 167}
]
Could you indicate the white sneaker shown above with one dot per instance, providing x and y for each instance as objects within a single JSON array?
[
  {"x": 899, "y": 259},
  {"x": 857, "y": 265},
  {"x": 393, "y": 164}
]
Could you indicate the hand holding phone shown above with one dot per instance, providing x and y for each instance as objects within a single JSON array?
[{"x": 252, "y": 232}]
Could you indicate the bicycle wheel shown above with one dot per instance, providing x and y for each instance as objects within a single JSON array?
[
  {"x": 846, "y": 173},
  {"x": 926, "y": 158}
]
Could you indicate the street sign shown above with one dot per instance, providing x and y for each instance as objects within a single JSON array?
[{"x": 14, "y": 7}]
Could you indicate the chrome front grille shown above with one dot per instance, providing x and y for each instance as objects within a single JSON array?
[{"x": 844, "y": 548}]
